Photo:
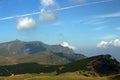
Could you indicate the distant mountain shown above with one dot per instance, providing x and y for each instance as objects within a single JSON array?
[
  {"x": 115, "y": 51},
  {"x": 18, "y": 47},
  {"x": 102, "y": 65},
  {"x": 17, "y": 51}
]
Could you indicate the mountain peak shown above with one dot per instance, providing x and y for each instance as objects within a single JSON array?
[{"x": 17, "y": 40}]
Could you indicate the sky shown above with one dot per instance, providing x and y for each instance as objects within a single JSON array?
[{"x": 75, "y": 24}]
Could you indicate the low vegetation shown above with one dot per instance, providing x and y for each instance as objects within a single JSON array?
[
  {"x": 60, "y": 77},
  {"x": 102, "y": 65}
]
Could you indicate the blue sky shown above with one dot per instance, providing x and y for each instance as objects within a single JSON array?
[{"x": 80, "y": 23}]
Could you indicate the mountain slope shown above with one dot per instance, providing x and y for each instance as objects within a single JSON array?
[
  {"x": 35, "y": 51},
  {"x": 18, "y": 47},
  {"x": 48, "y": 58},
  {"x": 102, "y": 65},
  {"x": 97, "y": 65}
]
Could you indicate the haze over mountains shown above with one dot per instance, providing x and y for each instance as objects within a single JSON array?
[{"x": 115, "y": 51}]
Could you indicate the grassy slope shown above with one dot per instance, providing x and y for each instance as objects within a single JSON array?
[
  {"x": 61, "y": 77},
  {"x": 87, "y": 67}
]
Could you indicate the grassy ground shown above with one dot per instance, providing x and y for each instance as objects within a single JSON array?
[{"x": 60, "y": 77}]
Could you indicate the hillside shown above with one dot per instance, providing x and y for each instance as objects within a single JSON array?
[
  {"x": 41, "y": 58},
  {"x": 96, "y": 66},
  {"x": 102, "y": 65}
]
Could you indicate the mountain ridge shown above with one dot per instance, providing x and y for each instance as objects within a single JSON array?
[{"x": 22, "y": 47}]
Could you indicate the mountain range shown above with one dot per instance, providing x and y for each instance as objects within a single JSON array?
[
  {"x": 18, "y": 47},
  {"x": 19, "y": 57},
  {"x": 18, "y": 51}
]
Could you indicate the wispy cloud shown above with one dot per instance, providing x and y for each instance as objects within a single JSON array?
[
  {"x": 101, "y": 22},
  {"x": 85, "y": 4},
  {"x": 101, "y": 19},
  {"x": 56, "y": 24},
  {"x": 60, "y": 9},
  {"x": 109, "y": 15},
  {"x": 17, "y": 16},
  {"x": 95, "y": 21},
  {"x": 112, "y": 36},
  {"x": 117, "y": 28},
  {"x": 99, "y": 28}
]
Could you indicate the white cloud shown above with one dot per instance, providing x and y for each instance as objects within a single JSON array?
[
  {"x": 25, "y": 23},
  {"x": 105, "y": 44},
  {"x": 102, "y": 44},
  {"x": 47, "y": 16},
  {"x": 47, "y": 3},
  {"x": 65, "y": 44},
  {"x": 47, "y": 12}
]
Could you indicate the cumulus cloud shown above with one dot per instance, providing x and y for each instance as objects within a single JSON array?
[
  {"x": 65, "y": 44},
  {"x": 48, "y": 3},
  {"x": 102, "y": 44},
  {"x": 47, "y": 16},
  {"x": 25, "y": 23},
  {"x": 47, "y": 12},
  {"x": 105, "y": 44}
]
